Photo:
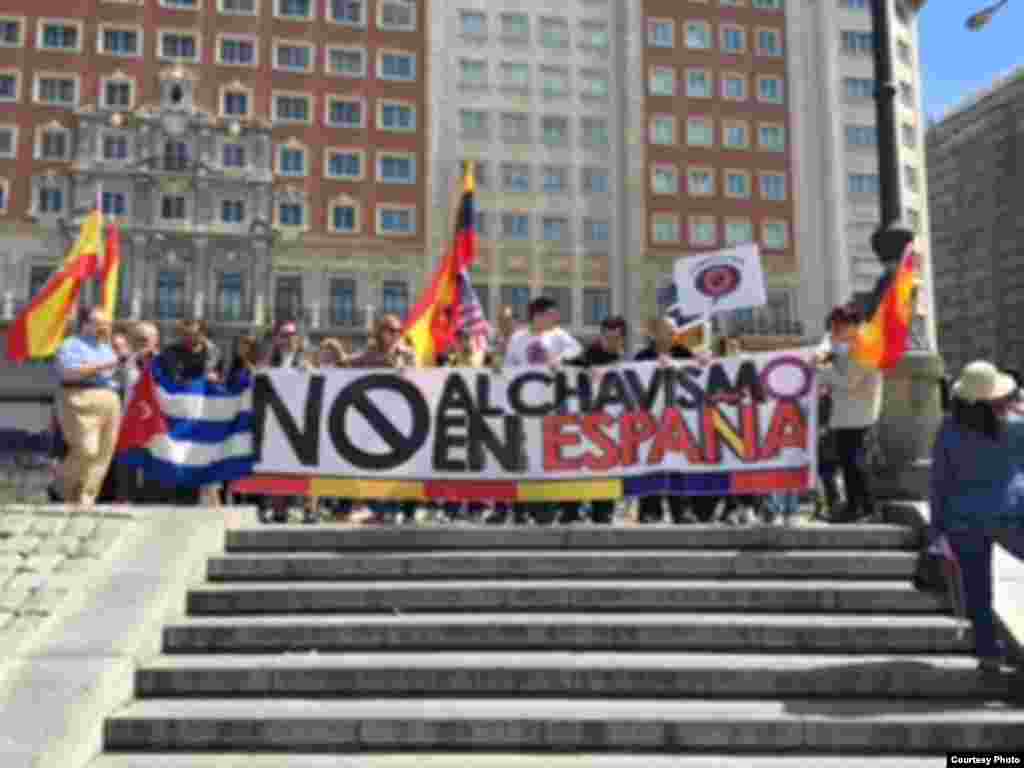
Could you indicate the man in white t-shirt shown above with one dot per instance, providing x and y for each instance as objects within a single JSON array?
[{"x": 544, "y": 342}]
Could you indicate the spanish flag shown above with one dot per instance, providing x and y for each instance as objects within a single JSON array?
[
  {"x": 432, "y": 323},
  {"x": 883, "y": 340},
  {"x": 40, "y": 327},
  {"x": 110, "y": 272}
]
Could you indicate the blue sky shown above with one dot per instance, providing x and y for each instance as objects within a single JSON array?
[{"x": 956, "y": 63}]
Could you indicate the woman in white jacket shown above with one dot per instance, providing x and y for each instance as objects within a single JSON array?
[{"x": 856, "y": 405}]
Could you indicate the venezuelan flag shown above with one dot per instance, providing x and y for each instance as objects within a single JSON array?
[
  {"x": 432, "y": 323},
  {"x": 883, "y": 340},
  {"x": 40, "y": 327},
  {"x": 110, "y": 274}
]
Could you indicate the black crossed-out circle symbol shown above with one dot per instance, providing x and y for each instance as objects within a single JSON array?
[{"x": 402, "y": 447}]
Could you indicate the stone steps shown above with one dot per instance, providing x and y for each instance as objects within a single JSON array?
[
  {"x": 664, "y": 631},
  {"x": 567, "y": 674},
  {"x": 528, "y": 724},
  {"x": 579, "y": 564}
]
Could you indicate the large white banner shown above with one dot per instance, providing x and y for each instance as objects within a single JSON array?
[
  {"x": 720, "y": 281},
  {"x": 735, "y": 415}
]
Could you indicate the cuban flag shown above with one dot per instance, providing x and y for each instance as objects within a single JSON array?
[
  {"x": 469, "y": 315},
  {"x": 193, "y": 434}
]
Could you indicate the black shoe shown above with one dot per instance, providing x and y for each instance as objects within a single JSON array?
[
  {"x": 53, "y": 496},
  {"x": 310, "y": 517},
  {"x": 496, "y": 518}
]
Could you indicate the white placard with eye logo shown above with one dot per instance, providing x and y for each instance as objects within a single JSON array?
[{"x": 720, "y": 281}]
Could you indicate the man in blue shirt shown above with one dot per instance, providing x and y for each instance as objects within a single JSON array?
[{"x": 90, "y": 409}]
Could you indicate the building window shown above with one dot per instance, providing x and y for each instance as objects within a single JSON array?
[
  {"x": 516, "y": 298},
  {"x": 291, "y": 215},
  {"x": 699, "y": 132},
  {"x": 515, "y": 226},
  {"x": 771, "y": 138},
  {"x": 858, "y": 88},
  {"x": 555, "y": 180},
  {"x": 346, "y": 61},
  {"x": 173, "y": 208},
  {"x": 858, "y": 136},
  {"x": 237, "y": 51},
  {"x": 396, "y": 15},
  {"x": 351, "y": 13},
  {"x": 233, "y": 156},
  {"x": 854, "y": 5},
  {"x": 57, "y": 91},
  {"x": 230, "y": 297},
  {"x": 661, "y": 33},
  {"x": 663, "y": 130},
  {"x": 597, "y": 305},
  {"x": 181, "y": 5},
  {"x": 115, "y": 148},
  {"x": 515, "y": 27},
  {"x": 908, "y": 133},
  {"x": 288, "y": 304},
  {"x": 737, "y": 185},
  {"x": 397, "y": 66},
  {"x": 554, "y": 82},
  {"x": 595, "y": 132},
  {"x": 662, "y": 81},
  {"x": 291, "y": 161},
  {"x": 237, "y": 7},
  {"x": 665, "y": 228},
  {"x": 906, "y": 94},
  {"x": 515, "y": 76},
  {"x": 292, "y": 109},
  {"x": 473, "y": 24},
  {"x": 773, "y": 186},
  {"x": 395, "y": 168},
  {"x": 698, "y": 84},
  {"x": 554, "y": 33},
  {"x": 595, "y": 85},
  {"x": 703, "y": 231},
  {"x": 769, "y": 42},
  {"x": 232, "y": 211},
  {"x": 738, "y": 231},
  {"x": 700, "y": 182},
  {"x": 515, "y": 127},
  {"x": 855, "y": 42},
  {"x": 395, "y": 298},
  {"x": 9, "y": 86},
  {"x": 767, "y": 5},
  {"x": 911, "y": 176},
  {"x": 396, "y": 220},
  {"x": 554, "y": 229},
  {"x": 515, "y": 177},
  {"x": 170, "y": 294},
  {"x": 236, "y": 103},
  {"x": 118, "y": 94},
  {"x": 473, "y": 124},
  {"x": 396, "y": 116},
  {"x": 295, "y": 10},
  {"x": 596, "y": 230},
  {"x": 345, "y": 165},
  {"x": 594, "y": 35},
  {"x": 554, "y": 130},
  {"x": 179, "y": 46},
  {"x": 8, "y": 142},
  {"x": 734, "y": 39},
  {"x": 562, "y": 297},
  {"x": 60, "y": 36},
  {"x": 38, "y": 276},
  {"x": 664, "y": 179},
  {"x": 775, "y": 235},
  {"x": 698, "y": 35},
  {"x": 11, "y": 33},
  {"x": 472, "y": 73},
  {"x": 771, "y": 90},
  {"x": 120, "y": 41},
  {"x": 735, "y": 135},
  {"x": 54, "y": 144},
  {"x": 293, "y": 57},
  {"x": 345, "y": 113},
  {"x": 114, "y": 204},
  {"x": 343, "y": 302},
  {"x": 596, "y": 181},
  {"x": 345, "y": 218},
  {"x": 734, "y": 87},
  {"x": 176, "y": 156},
  {"x": 862, "y": 184},
  {"x": 51, "y": 200}
]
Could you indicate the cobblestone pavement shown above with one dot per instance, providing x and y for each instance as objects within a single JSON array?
[{"x": 46, "y": 555}]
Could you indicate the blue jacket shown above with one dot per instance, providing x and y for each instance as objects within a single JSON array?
[{"x": 977, "y": 483}]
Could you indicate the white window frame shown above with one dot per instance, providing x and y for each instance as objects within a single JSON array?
[
  {"x": 118, "y": 77},
  {"x": 5, "y": 197},
  {"x": 232, "y": 36},
  {"x": 41, "y": 24},
  {"x": 235, "y": 87},
  {"x": 692, "y": 223},
  {"x": 167, "y": 5},
  {"x": 348, "y": 150},
  {"x": 292, "y": 95},
  {"x": 329, "y": 101},
  {"x": 738, "y": 220},
  {"x": 504, "y": 67},
  {"x": 292, "y": 144},
  {"x": 11, "y": 128},
  {"x": 284, "y": 42},
  {"x": 674, "y": 169},
  {"x": 311, "y": 16},
  {"x": 778, "y": 39},
  {"x": 552, "y": 22},
  {"x": 37, "y": 153},
  {"x": 652, "y": 77},
  {"x": 659, "y": 217},
  {"x": 504, "y": 34},
  {"x": 591, "y": 76},
  {"x": 378, "y": 216},
  {"x": 361, "y": 24},
  {"x": 464, "y": 13},
  {"x": 196, "y": 35},
  {"x": 17, "y": 85},
  {"x": 730, "y": 123},
  {"x": 691, "y": 188},
  {"x": 585, "y": 139},
  {"x": 105, "y": 27},
  {"x": 344, "y": 201},
  {"x": 764, "y": 147},
  {"x": 782, "y": 89},
  {"x": 381, "y": 103},
  {"x": 47, "y": 181},
  {"x": 709, "y": 38},
  {"x": 707, "y": 121},
  {"x": 739, "y": 76},
  {"x": 222, "y": 146},
  {"x": 707, "y": 79},
  {"x": 654, "y": 23},
  {"x": 660, "y": 119},
  {"x": 329, "y": 49},
  {"x": 723, "y": 28},
  {"x": 254, "y": 12},
  {"x": 763, "y": 176},
  {"x": 476, "y": 62},
  {"x": 382, "y": 52},
  {"x": 101, "y": 145},
  {"x": 379, "y": 163},
  {"x": 21, "y": 21},
  {"x": 398, "y": 27},
  {"x": 587, "y": 27},
  {"x": 745, "y": 175},
  {"x": 40, "y": 76},
  {"x": 764, "y": 234}
]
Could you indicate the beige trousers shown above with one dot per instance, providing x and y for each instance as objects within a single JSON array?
[{"x": 90, "y": 420}]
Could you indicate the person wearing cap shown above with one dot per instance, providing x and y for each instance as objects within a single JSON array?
[{"x": 977, "y": 489}]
